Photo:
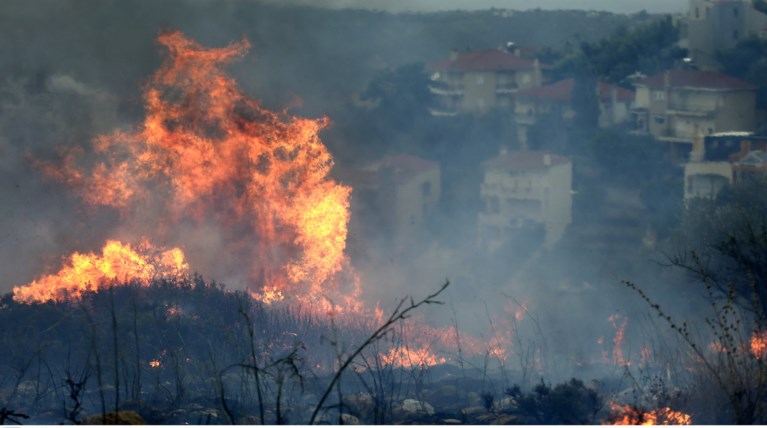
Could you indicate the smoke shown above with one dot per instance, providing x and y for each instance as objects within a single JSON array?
[
  {"x": 74, "y": 70},
  {"x": 655, "y": 6}
]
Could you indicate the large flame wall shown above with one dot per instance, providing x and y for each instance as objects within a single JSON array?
[{"x": 208, "y": 155}]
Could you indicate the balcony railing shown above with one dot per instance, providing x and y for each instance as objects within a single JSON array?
[
  {"x": 506, "y": 89},
  {"x": 441, "y": 112},
  {"x": 688, "y": 110},
  {"x": 449, "y": 91}
]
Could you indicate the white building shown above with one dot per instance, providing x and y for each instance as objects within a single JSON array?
[{"x": 525, "y": 188}]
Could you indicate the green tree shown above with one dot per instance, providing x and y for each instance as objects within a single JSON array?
[
  {"x": 648, "y": 49},
  {"x": 724, "y": 242},
  {"x": 748, "y": 61}
]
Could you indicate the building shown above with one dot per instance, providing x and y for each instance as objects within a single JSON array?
[
  {"x": 477, "y": 81},
  {"x": 531, "y": 104},
  {"x": 521, "y": 189},
  {"x": 717, "y": 25},
  {"x": 722, "y": 160},
  {"x": 397, "y": 194},
  {"x": 680, "y": 106}
]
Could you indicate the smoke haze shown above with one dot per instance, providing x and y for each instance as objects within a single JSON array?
[{"x": 73, "y": 70}]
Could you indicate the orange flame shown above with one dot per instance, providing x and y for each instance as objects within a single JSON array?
[
  {"x": 87, "y": 272},
  {"x": 619, "y": 323},
  {"x": 411, "y": 357},
  {"x": 207, "y": 154},
  {"x": 758, "y": 344},
  {"x": 627, "y": 415}
]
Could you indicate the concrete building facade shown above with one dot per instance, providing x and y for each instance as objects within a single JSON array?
[
  {"x": 680, "y": 106},
  {"x": 523, "y": 188},
  {"x": 477, "y": 81},
  {"x": 615, "y": 104},
  {"x": 717, "y": 25}
]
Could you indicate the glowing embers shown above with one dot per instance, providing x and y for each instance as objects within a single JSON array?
[
  {"x": 758, "y": 344},
  {"x": 628, "y": 415},
  {"x": 118, "y": 262},
  {"x": 208, "y": 157}
]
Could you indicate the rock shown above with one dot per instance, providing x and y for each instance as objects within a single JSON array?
[
  {"x": 360, "y": 404},
  {"x": 473, "y": 413},
  {"x": 504, "y": 405},
  {"x": 126, "y": 417},
  {"x": 417, "y": 407},
  {"x": 475, "y": 399},
  {"x": 348, "y": 419},
  {"x": 504, "y": 419},
  {"x": 485, "y": 419}
]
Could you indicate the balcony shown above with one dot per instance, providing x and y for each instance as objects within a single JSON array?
[
  {"x": 674, "y": 109},
  {"x": 443, "y": 112},
  {"x": 452, "y": 91},
  {"x": 521, "y": 192},
  {"x": 506, "y": 89}
]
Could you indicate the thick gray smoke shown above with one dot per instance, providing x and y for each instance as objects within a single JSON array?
[{"x": 72, "y": 70}]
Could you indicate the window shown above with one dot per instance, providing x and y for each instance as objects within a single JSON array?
[
  {"x": 493, "y": 205},
  {"x": 735, "y": 34},
  {"x": 660, "y": 95},
  {"x": 426, "y": 189},
  {"x": 735, "y": 11},
  {"x": 697, "y": 12},
  {"x": 480, "y": 80},
  {"x": 660, "y": 120}
]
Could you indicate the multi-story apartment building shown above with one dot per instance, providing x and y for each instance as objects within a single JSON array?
[
  {"x": 722, "y": 160},
  {"x": 680, "y": 106},
  {"x": 523, "y": 188},
  {"x": 397, "y": 194},
  {"x": 531, "y": 104},
  {"x": 717, "y": 25},
  {"x": 477, "y": 81}
]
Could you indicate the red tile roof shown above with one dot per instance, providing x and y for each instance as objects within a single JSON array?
[
  {"x": 525, "y": 160},
  {"x": 696, "y": 79},
  {"x": 487, "y": 60},
  {"x": 563, "y": 91}
]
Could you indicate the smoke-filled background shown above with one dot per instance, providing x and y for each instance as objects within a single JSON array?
[{"x": 74, "y": 70}]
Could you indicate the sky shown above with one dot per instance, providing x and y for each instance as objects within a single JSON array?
[{"x": 616, "y": 6}]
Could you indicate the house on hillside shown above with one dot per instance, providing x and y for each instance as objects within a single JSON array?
[
  {"x": 522, "y": 189},
  {"x": 726, "y": 158},
  {"x": 717, "y": 25},
  {"x": 680, "y": 106},
  {"x": 397, "y": 194},
  {"x": 531, "y": 104},
  {"x": 477, "y": 81}
]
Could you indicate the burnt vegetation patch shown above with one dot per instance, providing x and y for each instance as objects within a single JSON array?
[{"x": 192, "y": 351}]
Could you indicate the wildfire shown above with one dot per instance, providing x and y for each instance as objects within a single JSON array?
[
  {"x": 619, "y": 323},
  {"x": 87, "y": 272},
  {"x": 245, "y": 191},
  {"x": 207, "y": 155},
  {"x": 758, "y": 344},
  {"x": 627, "y": 415},
  {"x": 411, "y": 357}
]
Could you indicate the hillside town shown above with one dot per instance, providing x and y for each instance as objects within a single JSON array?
[
  {"x": 280, "y": 212},
  {"x": 707, "y": 122}
]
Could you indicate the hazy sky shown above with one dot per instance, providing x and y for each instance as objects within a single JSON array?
[{"x": 617, "y": 6}]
